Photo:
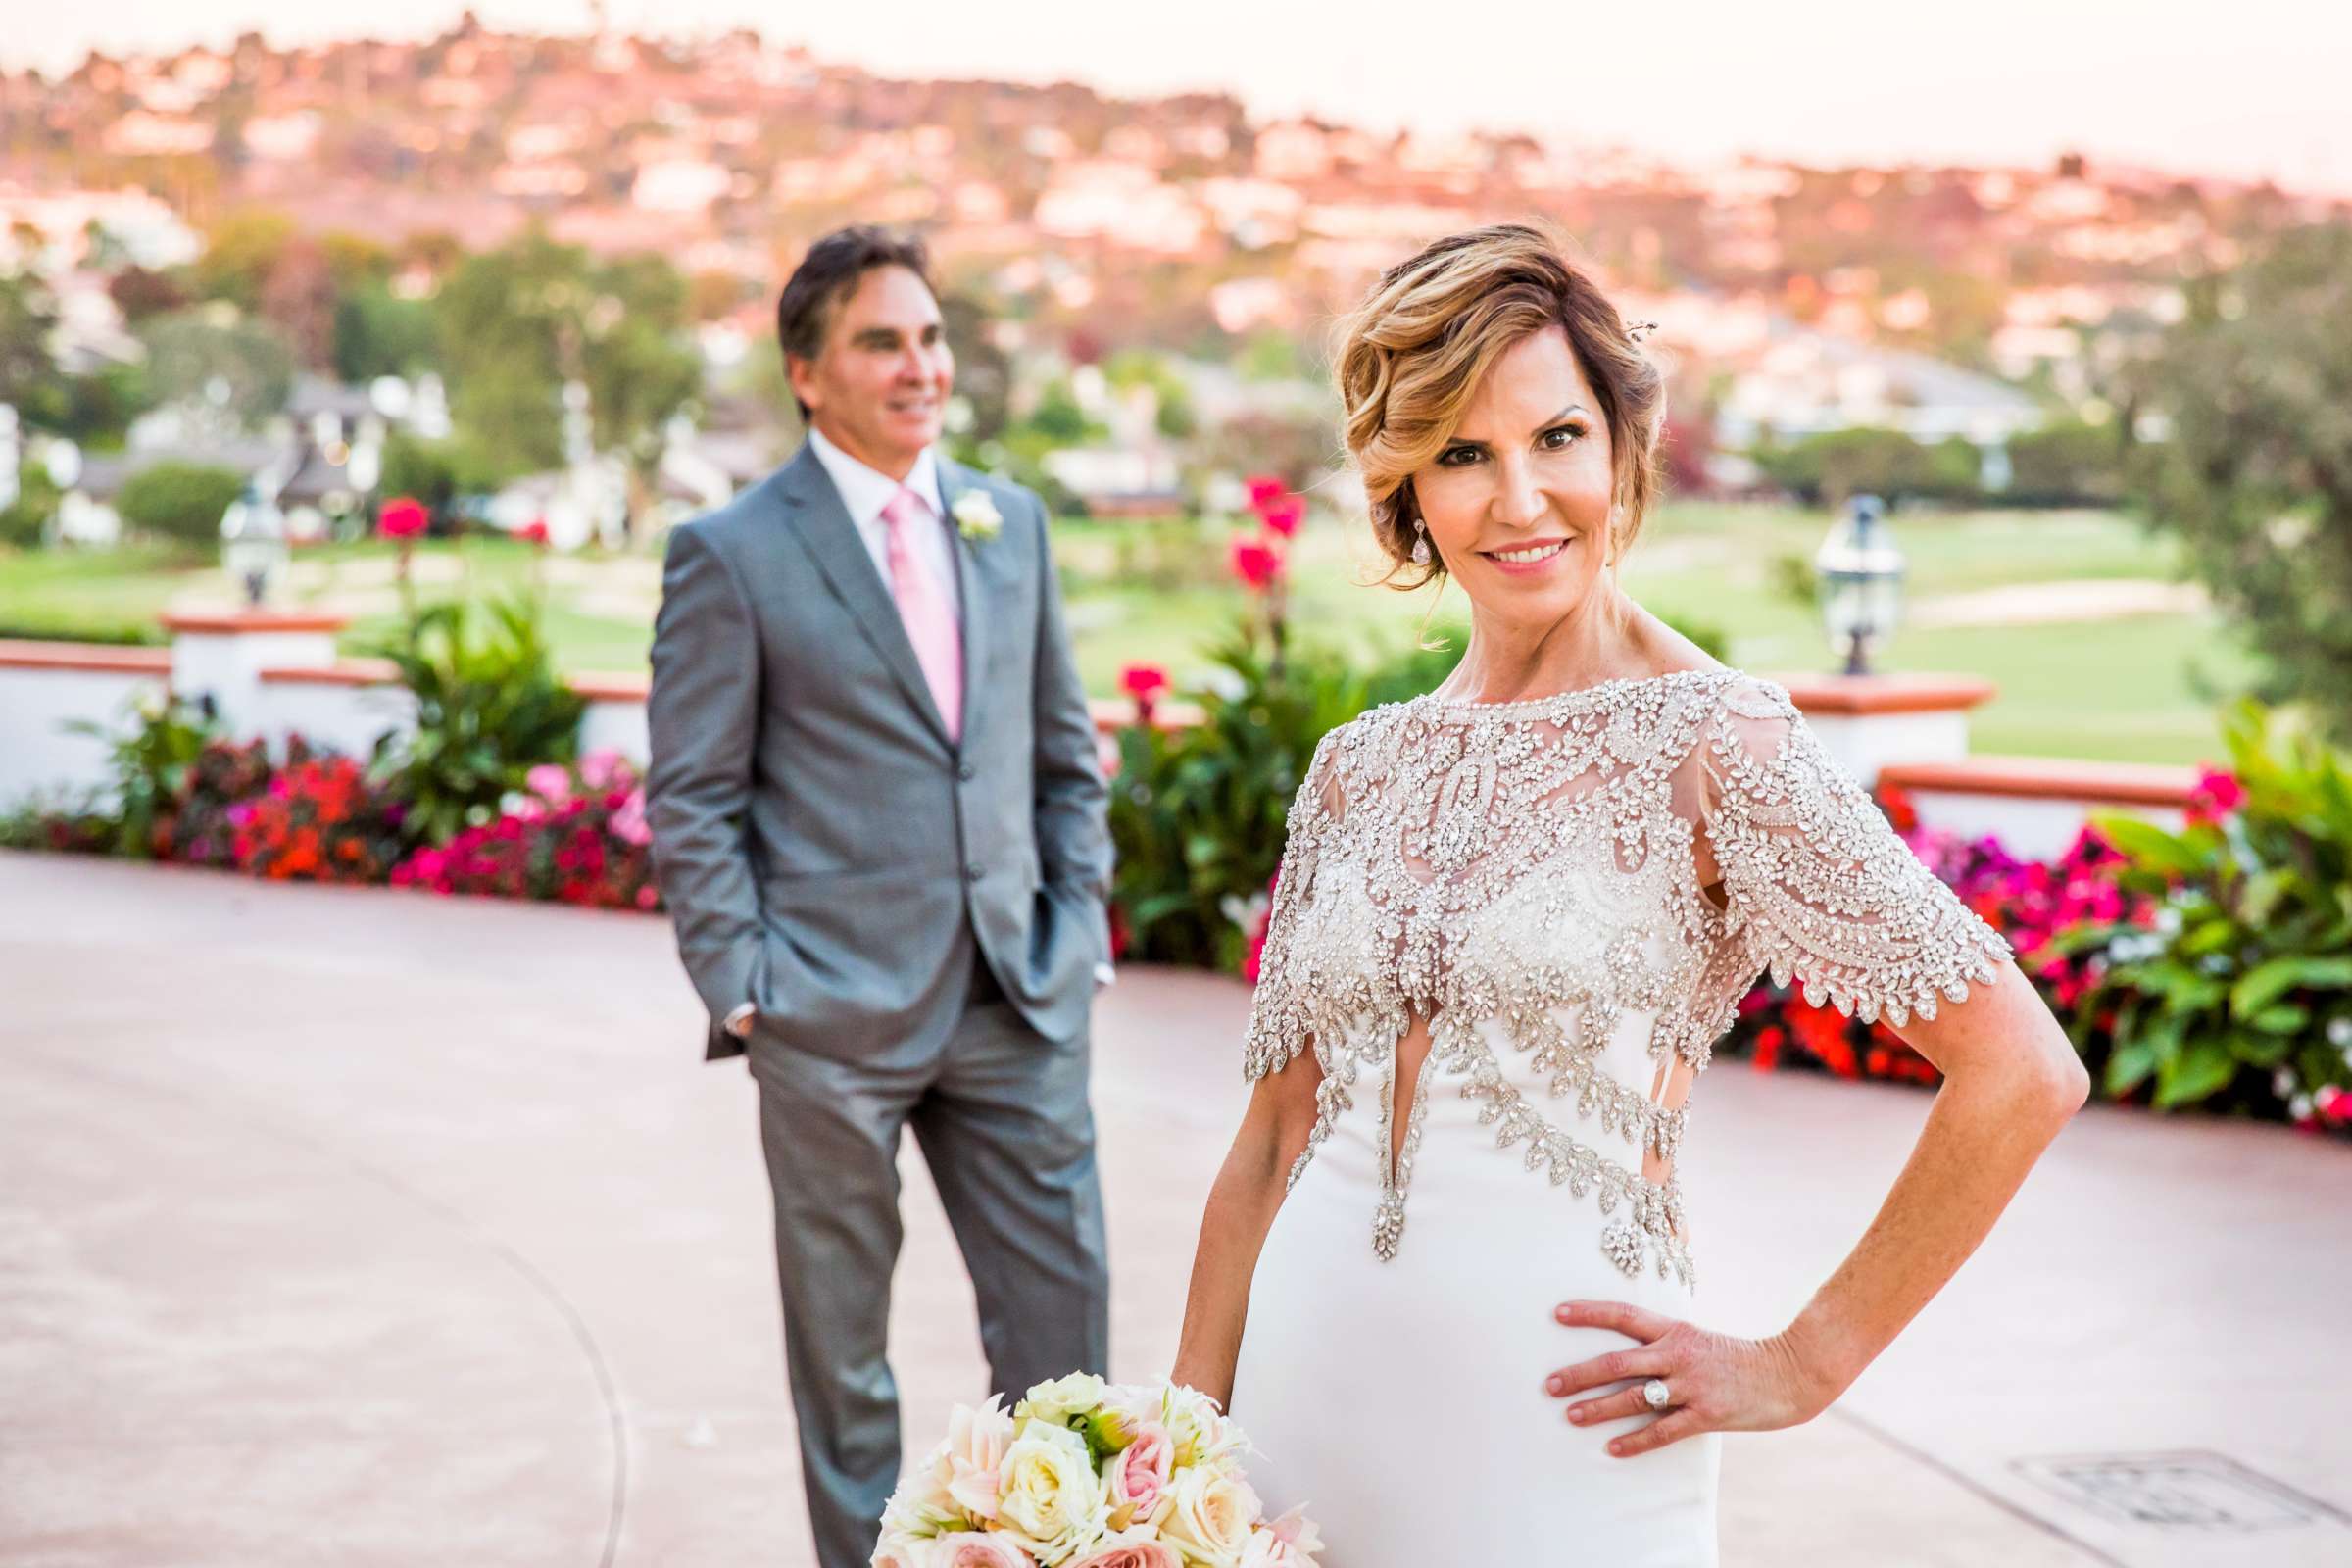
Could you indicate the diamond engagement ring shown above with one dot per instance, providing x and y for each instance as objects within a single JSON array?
[{"x": 1655, "y": 1392}]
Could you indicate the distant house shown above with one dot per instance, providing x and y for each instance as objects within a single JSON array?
[{"x": 1803, "y": 382}]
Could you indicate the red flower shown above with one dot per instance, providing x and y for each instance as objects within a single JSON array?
[
  {"x": 1283, "y": 515},
  {"x": 1256, "y": 561},
  {"x": 1901, "y": 813},
  {"x": 1144, "y": 682},
  {"x": 1263, "y": 489},
  {"x": 1768, "y": 1047},
  {"x": 402, "y": 517},
  {"x": 2216, "y": 795},
  {"x": 533, "y": 532}
]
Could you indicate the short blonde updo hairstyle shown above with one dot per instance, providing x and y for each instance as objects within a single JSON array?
[{"x": 1414, "y": 354}]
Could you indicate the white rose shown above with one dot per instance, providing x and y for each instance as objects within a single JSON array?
[
  {"x": 1211, "y": 1519},
  {"x": 1202, "y": 1434},
  {"x": 1049, "y": 1499},
  {"x": 1065, "y": 1396}
]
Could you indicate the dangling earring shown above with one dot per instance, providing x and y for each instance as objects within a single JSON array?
[{"x": 1420, "y": 543}]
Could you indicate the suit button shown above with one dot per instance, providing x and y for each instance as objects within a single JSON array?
[
  {"x": 971, "y": 872},
  {"x": 966, "y": 772}
]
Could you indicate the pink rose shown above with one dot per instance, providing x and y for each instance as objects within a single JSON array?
[
  {"x": 628, "y": 823},
  {"x": 1289, "y": 1541},
  {"x": 977, "y": 1548},
  {"x": 1140, "y": 1472},
  {"x": 1132, "y": 1551},
  {"x": 551, "y": 782},
  {"x": 602, "y": 769},
  {"x": 968, "y": 1461}
]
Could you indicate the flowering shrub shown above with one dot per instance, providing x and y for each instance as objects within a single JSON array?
[
  {"x": 574, "y": 834},
  {"x": 2232, "y": 986},
  {"x": 317, "y": 820},
  {"x": 2032, "y": 903}
]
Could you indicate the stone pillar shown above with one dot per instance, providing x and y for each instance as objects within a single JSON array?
[
  {"x": 1867, "y": 721},
  {"x": 221, "y": 654}
]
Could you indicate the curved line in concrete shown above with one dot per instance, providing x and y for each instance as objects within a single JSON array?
[{"x": 599, "y": 1371}]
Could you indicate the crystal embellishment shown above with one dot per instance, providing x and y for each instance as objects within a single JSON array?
[{"x": 1524, "y": 875}]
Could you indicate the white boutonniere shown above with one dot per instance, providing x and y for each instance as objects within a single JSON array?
[{"x": 976, "y": 516}]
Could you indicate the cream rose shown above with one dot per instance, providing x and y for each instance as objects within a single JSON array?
[
  {"x": 1211, "y": 1518},
  {"x": 1056, "y": 1401},
  {"x": 1048, "y": 1496}
]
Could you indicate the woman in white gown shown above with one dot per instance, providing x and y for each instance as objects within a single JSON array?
[{"x": 1446, "y": 1275}]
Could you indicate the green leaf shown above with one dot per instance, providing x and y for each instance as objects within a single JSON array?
[
  {"x": 2143, "y": 841},
  {"x": 2267, "y": 982},
  {"x": 2128, "y": 1067},
  {"x": 2197, "y": 1072}
]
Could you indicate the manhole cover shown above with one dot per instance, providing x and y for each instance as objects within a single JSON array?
[{"x": 2189, "y": 1491}]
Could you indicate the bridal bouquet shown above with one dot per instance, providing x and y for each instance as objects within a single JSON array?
[{"x": 1087, "y": 1474}]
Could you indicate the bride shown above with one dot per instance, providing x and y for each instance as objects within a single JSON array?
[{"x": 1517, "y": 912}]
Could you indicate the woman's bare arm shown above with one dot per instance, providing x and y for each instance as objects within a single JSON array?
[
  {"x": 2011, "y": 1080},
  {"x": 1240, "y": 1209}
]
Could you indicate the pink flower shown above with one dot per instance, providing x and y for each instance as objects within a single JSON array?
[
  {"x": 1289, "y": 1541},
  {"x": 602, "y": 769},
  {"x": 402, "y": 517},
  {"x": 1256, "y": 561},
  {"x": 2333, "y": 1104},
  {"x": 2216, "y": 795},
  {"x": 977, "y": 1548},
  {"x": 533, "y": 532},
  {"x": 550, "y": 782},
  {"x": 1263, "y": 489},
  {"x": 1139, "y": 1473},
  {"x": 1130, "y": 1549},
  {"x": 1283, "y": 515},
  {"x": 628, "y": 822},
  {"x": 647, "y": 896}
]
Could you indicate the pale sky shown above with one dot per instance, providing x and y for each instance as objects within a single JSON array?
[{"x": 2253, "y": 88}]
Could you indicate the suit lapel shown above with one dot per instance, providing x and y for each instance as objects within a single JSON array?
[
  {"x": 971, "y": 589},
  {"x": 834, "y": 543}
]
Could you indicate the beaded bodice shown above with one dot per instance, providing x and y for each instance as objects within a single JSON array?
[{"x": 1523, "y": 875}]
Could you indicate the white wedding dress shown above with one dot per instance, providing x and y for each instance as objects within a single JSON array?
[{"x": 1521, "y": 876}]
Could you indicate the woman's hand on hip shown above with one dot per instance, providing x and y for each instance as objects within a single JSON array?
[{"x": 1714, "y": 1382}]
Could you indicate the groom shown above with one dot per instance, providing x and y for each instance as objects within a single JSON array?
[{"x": 878, "y": 823}]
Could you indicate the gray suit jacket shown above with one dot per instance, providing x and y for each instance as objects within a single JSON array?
[{"x": 824, "y": 849}]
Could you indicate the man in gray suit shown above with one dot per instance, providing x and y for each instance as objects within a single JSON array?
[{"x": 878, "y": 823}]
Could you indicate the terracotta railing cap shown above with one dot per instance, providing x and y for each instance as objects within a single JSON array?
[
  {"x": 2049, "y": 778},
  {"x": 107, "y": 658},
  {"x": 1884, "y": 694},
  {"x": 610, "y": 685},
  {"x": 230, "y": 621},
  {"x": 342, "y": 672}
]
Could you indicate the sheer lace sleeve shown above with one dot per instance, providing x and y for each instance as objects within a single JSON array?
[
  {"x": 1819, "y": 885},
  {"x": 1278, "y": 1013}
]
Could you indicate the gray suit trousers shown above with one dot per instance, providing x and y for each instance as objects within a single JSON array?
[{"x": 1000, "y": 1114}]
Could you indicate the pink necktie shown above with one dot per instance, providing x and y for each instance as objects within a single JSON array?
[{"x": 923, "y": 607}]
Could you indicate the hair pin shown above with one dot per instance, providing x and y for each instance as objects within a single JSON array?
[{"x": 1639, "y": 330}]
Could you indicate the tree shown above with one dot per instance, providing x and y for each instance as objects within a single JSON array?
[
  {"x": 28, "y": 316},
  {"x": 500, "y": 316},
  {"x": 207, "y": 356},
  {"x": 639, "y": 364},
  {"x": 240, "y": 253},
  {"x": 2254, "y": 475}
]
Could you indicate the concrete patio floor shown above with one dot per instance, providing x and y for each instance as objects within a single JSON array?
[{"x": 349, "y": 1227}]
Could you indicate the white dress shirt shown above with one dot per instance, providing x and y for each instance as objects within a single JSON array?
[{"x": 865, "y": 491}]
